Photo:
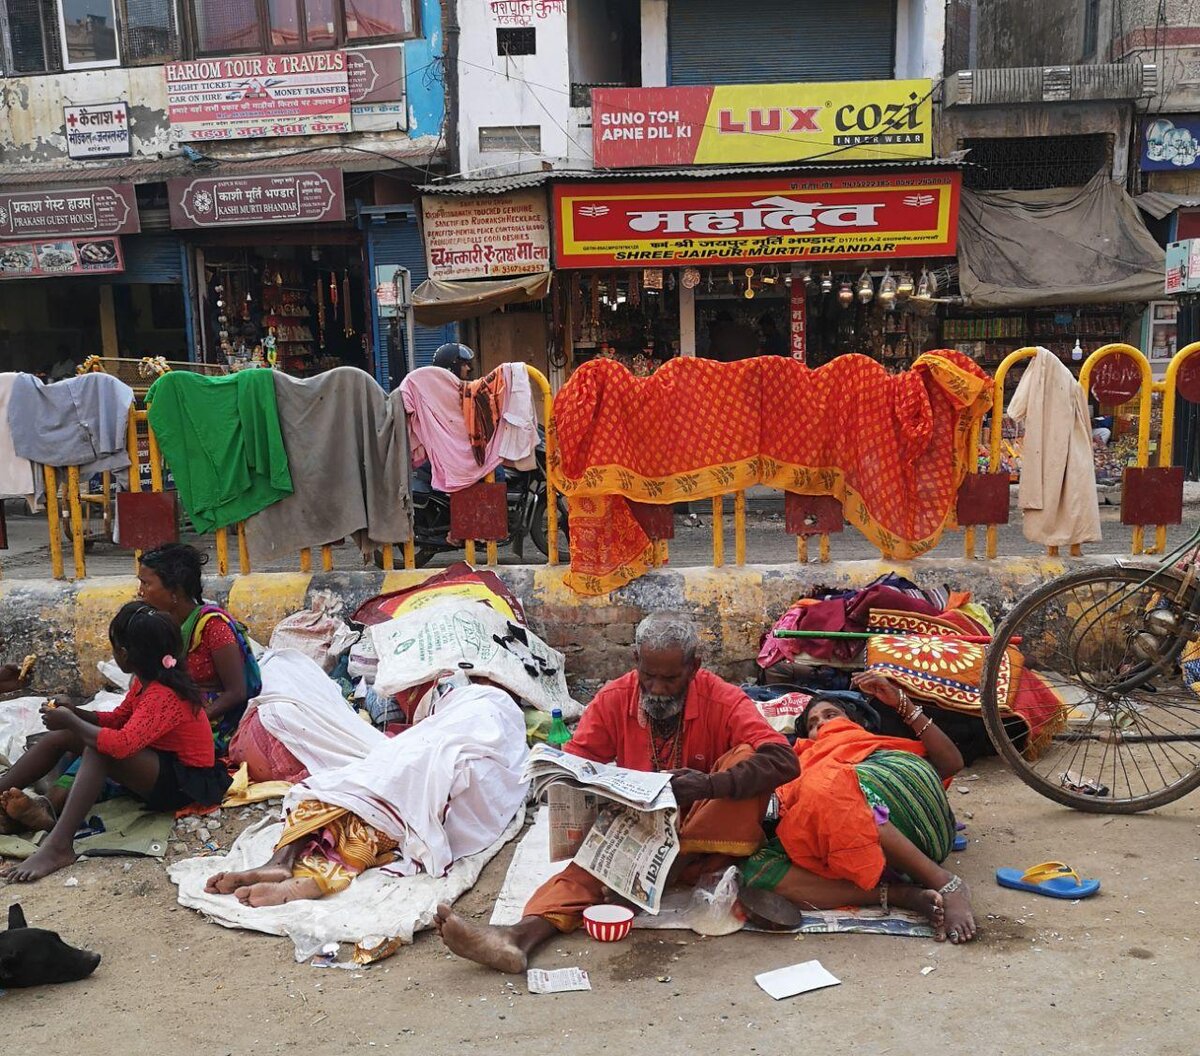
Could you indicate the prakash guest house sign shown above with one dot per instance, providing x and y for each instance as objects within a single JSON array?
[{"x": 229, "y": 201}]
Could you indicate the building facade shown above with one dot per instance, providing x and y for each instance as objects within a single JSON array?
[{"x": 225, "y": 181}]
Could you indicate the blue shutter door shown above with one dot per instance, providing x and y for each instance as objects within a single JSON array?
[
  {"x": 399, "y": 242},
  {"x": 776, "y": 41},
  {"x": 152, "y": 259}
]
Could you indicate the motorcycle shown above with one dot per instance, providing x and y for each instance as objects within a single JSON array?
[{"x": 527, "y": 514}]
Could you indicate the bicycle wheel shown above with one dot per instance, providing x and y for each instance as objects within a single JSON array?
[{"x": 1121, "y": 731}]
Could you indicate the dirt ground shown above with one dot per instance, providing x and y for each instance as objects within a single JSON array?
[{"x": 1112, "y": 974}]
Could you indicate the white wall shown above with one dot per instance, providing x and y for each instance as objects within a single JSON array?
[
  {"x": 920, "y": 38},
  {"x": 654, "y": 43},
  {"x": 518, "y": 90}
]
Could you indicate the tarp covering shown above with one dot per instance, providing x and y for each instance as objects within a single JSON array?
[
  {"x": 1073, "y": 245},
  {"x": 439, "y": 301}
]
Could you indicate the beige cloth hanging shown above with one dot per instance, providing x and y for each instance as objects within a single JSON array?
[{"x": 1058, "y": 475}]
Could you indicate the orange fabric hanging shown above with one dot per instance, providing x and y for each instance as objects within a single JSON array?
[
  {"x": 893, "y": 448},
  {"x": 483, "y": 405}
]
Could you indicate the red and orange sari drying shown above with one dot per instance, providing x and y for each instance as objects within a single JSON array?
[{"x": 893, "y": 448}]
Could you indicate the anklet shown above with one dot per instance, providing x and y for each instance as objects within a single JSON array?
[{"x": 951, "y": 885}]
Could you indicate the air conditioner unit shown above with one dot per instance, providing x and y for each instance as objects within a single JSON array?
[{"x": 1051, "y": 84}]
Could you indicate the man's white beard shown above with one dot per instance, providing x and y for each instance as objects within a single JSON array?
[{"x": 662, "y": 709}]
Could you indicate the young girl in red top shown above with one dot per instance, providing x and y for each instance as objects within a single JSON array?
[{"x": 157, "y": 743}]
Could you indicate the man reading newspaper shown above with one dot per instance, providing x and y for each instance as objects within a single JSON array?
[{"x": 667, "y": 715}]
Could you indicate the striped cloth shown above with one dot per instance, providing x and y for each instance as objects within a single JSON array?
[{"x": 906, "y": 789}]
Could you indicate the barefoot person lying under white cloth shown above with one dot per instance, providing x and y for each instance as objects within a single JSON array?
[{"x": 420, "y": 801}]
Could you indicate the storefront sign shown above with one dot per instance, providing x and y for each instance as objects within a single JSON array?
[
  {"x": 745, "y": 221},
  {"x": 524, "y": 12},
  {"x": 1171, "y": 143},
  {"x": 224, "y": 201},
  {"x": 736, "y": 123},
  {"x": 255, "y": 96},
  {"x": 376, "y": 79},
  {"x": 100, "y": 131},
  {"x": 798, "y": 317},
  {"x": 109, "y": 209},
  {"x": 488, "y": 236},
  {"x": 70, "y": 256}
]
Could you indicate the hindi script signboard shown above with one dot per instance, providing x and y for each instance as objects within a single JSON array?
[
  {"x": 488, "y": 236},
  {"x": 228, "y": 201}
]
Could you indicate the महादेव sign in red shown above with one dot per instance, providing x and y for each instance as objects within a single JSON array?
[
  {"x": 746, "y": 221},
  {"x": 310, "y": 196},
  {"x": 108, "y": 209},
  {"x": 254, "y": 96}
]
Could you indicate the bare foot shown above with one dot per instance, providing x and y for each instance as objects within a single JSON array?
[
  {"x": 277, "y": 892},
  {"x": 228, "y": 883},
  {"x": 924, "y": 901},
  {"x": 46, "y": 860},
  {"x": 483, "y": 944},
  {"x": 31, "y": 813},
  {"x": 960, "y": 918}
]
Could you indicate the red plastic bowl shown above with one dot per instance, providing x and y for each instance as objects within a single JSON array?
[{"x": 608, "y": 923}]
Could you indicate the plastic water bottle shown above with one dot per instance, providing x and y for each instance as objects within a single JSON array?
[{"x": 559, "y": 734}]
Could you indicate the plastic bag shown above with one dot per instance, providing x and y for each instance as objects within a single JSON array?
[
  {"x": 314, "y": 630},
  {"x": 714, "y": 905},
  {"x": 364, "y": 661}
]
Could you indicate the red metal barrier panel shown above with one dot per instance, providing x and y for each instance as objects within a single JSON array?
[
  {"x": 983, "y": 499},
  {"x": 147, "y": 519},
  {"x": 1152, "y": 496},
  {"x": 812, "y": 514},
  {"x": 480, "y": 512},
  {"x": 657, "y": 521}
]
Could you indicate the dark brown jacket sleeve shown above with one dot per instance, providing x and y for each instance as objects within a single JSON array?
[{"x": 769, "y": 767}]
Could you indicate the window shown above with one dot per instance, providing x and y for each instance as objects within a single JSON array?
[
  {"x": 149, "y": 32},
  {"x": 89, "y": 33},
  {"x": 1091, "y": 27},
  {"x": 521, "y": 41},
  {"x": 231, "y": 26},
  {"x": 32, "y": 37},
  {"x": 1031, "y": 163},
  {"x": 514, "y": 139}
]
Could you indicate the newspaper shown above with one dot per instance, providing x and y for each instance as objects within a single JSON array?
[{"x": 617, "y": 824}]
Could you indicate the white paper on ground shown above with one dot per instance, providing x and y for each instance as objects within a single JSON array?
[
  {"x": 557, "y": 981},
  {"x": 796, "y": 979},
  {"x": 529, "y": 869}
]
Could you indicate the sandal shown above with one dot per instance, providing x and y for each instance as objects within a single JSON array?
[{"x": 1053, "y": 879}]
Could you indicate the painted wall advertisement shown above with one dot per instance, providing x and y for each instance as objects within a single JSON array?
[
  {"x": 486, "y": 237},
  {"x": 524, "y": 12},
  {"x": 228, "y": 201},
  {"x": 68, "y": 256},
  {"x": 745, "y": 221},
  {"x": 736, "y": 123},
  {"x": 105, "y": 209},
  {"x": 255, "y": 96},
  {"x": 99, "y": 131}
]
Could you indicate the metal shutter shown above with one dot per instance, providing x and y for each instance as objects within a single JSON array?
[
  {"x": 399, "y": 242},
  {"x": 151, "y": 259},
  {"x": 773, "y": 41}
]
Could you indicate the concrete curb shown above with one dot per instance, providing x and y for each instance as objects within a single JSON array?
[{"x": 66, "y": 624}]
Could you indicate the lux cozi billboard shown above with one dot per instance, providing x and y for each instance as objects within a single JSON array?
[
  {"x": 748, "y": 221},
  {"x": 744, "y": 123}
]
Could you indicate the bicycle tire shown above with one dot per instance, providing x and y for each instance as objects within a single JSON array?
[{"x": 1126, "y": 580}]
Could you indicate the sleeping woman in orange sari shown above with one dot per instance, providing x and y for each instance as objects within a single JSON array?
[{"x": 867, "y": 822}]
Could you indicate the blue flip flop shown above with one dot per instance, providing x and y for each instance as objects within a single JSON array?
[{"x": 1053, "y": 879}]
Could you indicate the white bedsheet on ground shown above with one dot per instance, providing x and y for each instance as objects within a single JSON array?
[{"x": 375, "y": 904}]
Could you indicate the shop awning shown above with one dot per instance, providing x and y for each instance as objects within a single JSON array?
[
  {"x": 1075, "y": 245},
  {"x": 1159, "y": 204},
  {"x": 439, "y": 301}
]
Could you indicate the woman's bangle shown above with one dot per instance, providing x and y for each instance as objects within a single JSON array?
[{"x": 921, "y": 731}]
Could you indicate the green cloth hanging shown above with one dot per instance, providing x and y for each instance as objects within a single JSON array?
[{"x": 222, "y": 442}]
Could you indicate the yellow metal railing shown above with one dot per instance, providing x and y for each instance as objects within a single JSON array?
[
  {"x": 139, "y": 426},
  {"x": 67, "y": 491}
]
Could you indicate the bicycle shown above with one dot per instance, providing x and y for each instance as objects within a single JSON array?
[{"x": 1120, "y": 647}]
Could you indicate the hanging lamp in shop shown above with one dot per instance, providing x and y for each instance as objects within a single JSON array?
[
  {"x": 845, "y": 294},
  {"x": 904, "y": 286},
  {"x": 866, "y": 288},
  {"x": 887, "y": 291},
  {"x": 827, "y": 282}
]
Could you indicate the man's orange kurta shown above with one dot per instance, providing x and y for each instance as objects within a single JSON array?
[{"x": 721, "y": 728}]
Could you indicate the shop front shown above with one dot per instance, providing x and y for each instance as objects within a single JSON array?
[
  {"x": 280, "y": 273},
  {"x": 813, "y": 264}
]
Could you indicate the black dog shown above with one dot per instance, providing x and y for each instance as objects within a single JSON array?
[{"x": 34, "y": 957}]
